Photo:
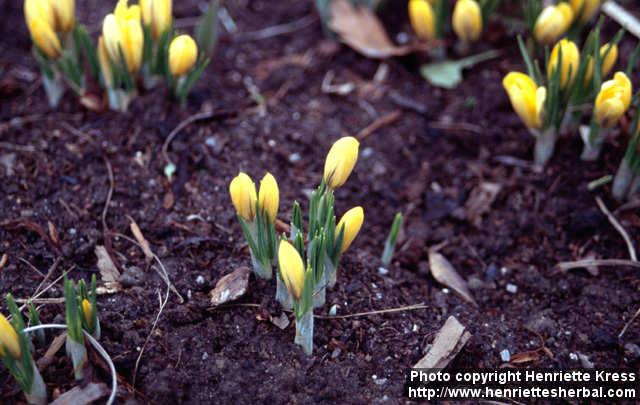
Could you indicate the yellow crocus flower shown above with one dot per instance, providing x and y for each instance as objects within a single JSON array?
[
  {"x": 608, "y": 59},
  {"x": 39, "y": 9},
  {"x": 122, "y": 31},
  {"x": 87, "y": 311},
  {"x": 65, "y": 13},
  {"x": 527, "y": 99},
  {"x": 613, "y": 100},
  {"x": 585, "y": 9},
  {"x": 105, "y": 62},
  {"x": 552, "y": 23},
  {"x": 9, "y": 339},
  {"x": 422, "y": 19},
  {"x": 352, "y": 222},
  {"x": 269, "y": 196},
  {"x": 243, "y": 196},
  {"x": 41, "y": 23},
  {"x": 570, "y": 61},
  {"x": 291, "y": 268},
  {"x": 157, "y": 15},
  {"x": 183, "y": 53},
  {"x": 341, "y": 159},
  {"x": 467, "y": 20}
]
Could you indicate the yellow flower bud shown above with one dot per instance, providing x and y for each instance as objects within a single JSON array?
[
  {"x": 122, "y": 31},
  {"x": 467, "y": 20},
  {"x": 40, "y": 20},
  {"x": 243, "y": 196},
  {"x": 613, "y": 100},
  {"x": 527, "y": 99},
  {"x": 157, "y": 15},
  {"x": 9, "y": 339},
  {"x": 352, "y": 222},
  {"x": 183, "y": 53},
  {"x": 422, "y": 19},
  {"x": 39, "y": 9},
  {"x": 584, "y": 9},
  {"x": 341, "y": 159},
  {"x": 268, "y": 196},
  {"x": 291, "y": 268},
  {"x": 105, "y": 62},
  {"x": 570, "y": 62},
  {"x": 87, "y": 311},
  {"x": 608, "y": 59},
  {"x": 552, "y": 23},
  {"x": 65, "y": 12}
]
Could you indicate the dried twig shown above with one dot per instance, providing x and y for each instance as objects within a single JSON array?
[
  {"x": 626, "y": 326},
  {"x": 564, "y": 266},
  {"x": 614, "y": 221},
  {"x": 383, "y": 121},
  {"x": 163, "y": 303},
  {"x": 276, "y": 30},
  {"x": 196, "y": 117},
  {"x": 105, "y": 228},
  {"x": 381, "y": 311}
]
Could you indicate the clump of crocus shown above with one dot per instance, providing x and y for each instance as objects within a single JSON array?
[
  {"x": 15, "y": 352},
  {"x": 185, "y": 66},
  {"x": 552, "y": 23},
  {"x": 611, "y": 103},
  {"x": 81, "y": 313},
  {"x": 257, "y": 214}
]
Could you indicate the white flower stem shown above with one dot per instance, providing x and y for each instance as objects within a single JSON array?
[
  {"x": 545, "y": 145},
  {"x": 304, "y": 332},
  {"x": 622, "y": 181},
  {"x": 37, "y": 394},
  {"x": 54, "y": 87},
  {"x": 78, "y": 354},
  {"x": 282, "y": 295}
]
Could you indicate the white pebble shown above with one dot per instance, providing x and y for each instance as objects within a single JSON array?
[
  {"x": 205, "y": 356},
  {"x": 382, "y": 271},
  {"x": 512, "y": 288},
  {"x": 505, "y": 356},
  {"x": 573, "y": 356},
  {"x": 200, "y": 280},
  {"x": 333, "y": 310},
  {"x": 294, "y": 157},
  {"x": 504, "y": 271}
]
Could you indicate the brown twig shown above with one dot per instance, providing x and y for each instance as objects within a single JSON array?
[
  {"x": 626, "y": 326},
  {"x": 614, "y": 221},
  {"x": 367, "y": 313},
  {"x": 383, "y": 121},
  {"x": 276, "y": 30},
  {"x": 105, "y": 210}
]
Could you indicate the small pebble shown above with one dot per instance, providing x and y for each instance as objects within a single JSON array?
[
  {"x": 573, "y": 356},
  {"x": 200, "y": 280},
  {"x": 72, "y": 231},
  {"x": 415, "y": 328},
  {"x": 382, "y": 271},
  {"x": 333, "y": 310},
  {"x": 211, "y": 142},
  {"x": 271, "y": 143},
  {"x": 491, "y": 272},
  {"x": 512, "y": 288},
  {"x": 294, "y": 157},
  {"x": 402, "y": 38},
  {"x": 505, "y": 356},
  {"x": 205, "y": 356},
  {"x": 504, "y": 271},
  {"x": 366, "y": 152},
  {"x": 445, "y": 290}
]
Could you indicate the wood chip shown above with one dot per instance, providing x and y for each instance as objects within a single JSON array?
[
  {"x": 231, "y": 287},
  {"x": 281, "y": 321},
  {"x": 480, "y": 201},
  {"x": 447, "y": 344},
  {"x": 82, "y": 396},
  {"x": 53, "y": 233},
  {"x": 137, "y": 233},
  {"x": 446, "y": 274},
  {"x": 108, "y": 272},
  {"x": 360, "y": 28}
]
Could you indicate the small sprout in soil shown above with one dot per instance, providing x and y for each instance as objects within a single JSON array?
[
  {"x": 34, "y": 320},
  {"x": 257, "y": 215},
  {"x": 81, "y": 312},
  {"x": 390, "y": 244},
  {"x": 15, "y": 352}
]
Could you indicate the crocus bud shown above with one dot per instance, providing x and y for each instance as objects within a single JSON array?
[
  {"x": 183, "y": 53},
  {"x": 422, "y": 19},
  {"x": 157, "y": 15},
  {"x": 613, "y": 100},
  {"x": 467, "y": 20},
  {"x": 9, "y": 339},
  {"x": 105, "y": 62},
  {"x": 122, "y": 31},
  {"x": 341, "y": 159},
  {"x": 65, "y": 13},
  {"x": 268, "y": 196},
  {"x": 527, "y": 99},
  {"x": 352, "y": 222},
  {"x": 552, "y": 23},
  {"x": 570, "y": 62},
  {"x": 584, "y": 10},
  {"x": 608, "y": 59},
  {"x": 243, "y": 196},
  {"x": 87, "y": 312},
  {"x": 41, "y": 23},
  {"x": 291, "y": 268}
]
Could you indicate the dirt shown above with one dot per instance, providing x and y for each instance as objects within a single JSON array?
[{"x": 426, "y": 164}]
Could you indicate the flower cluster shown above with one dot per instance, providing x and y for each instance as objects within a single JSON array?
[
  {"x": 552, "y": 22},
  {"x": 307, "y": 262},
  {"x": 136, "y": 41}
]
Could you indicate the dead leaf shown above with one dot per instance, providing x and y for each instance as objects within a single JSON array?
[
  {"x": 53, "y": 233},
  {"x": 31, "y": 226},
  {"x": 231, "y": 286},
  {"x": 361, "y": 29},
  {"x": 144, "y": 244},
  {"x": 281, "y": 321},
  {"x": 168, "y": 200},
  {"x": 82, "y": 396},
  {"x": 525, "y": 357},
  {"x": 480, "y": 201},
  {"x": 3, "y": 260},
  {"x": 447, "y": 344},
  {"x": 108, "y": 272},
  {"x": 446, "y": 274}
]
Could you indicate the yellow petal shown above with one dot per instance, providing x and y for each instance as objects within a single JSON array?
[
  {"x": 112, "y": 36},
  {"x": 585, "y": 9},
  {"x": 526, "y": 98},
  {"x": 352, "y": 222},
  {"x": 87, "y": 311},
  {"x": 467, "y": 20},
  {"x": 145, "y": 11},
  {"x": 291, "y": 268},
  {"x": 552, "y": 23},
  {"x": 105, "y": 62},
  {"x": 269, "y": 196},
  {"x": 134, "y": 43},
  {"x": 183, "y": 53},
  {"x": 9, "y": 338},
  {"x": 243, "y": 196},
  {"x": 613, "y": 100},
  {"x": 64, "y": 11},
  {"x": 39, "y": 9},
  {"x": 570, "y": 61},
  {"x": 160, "y": 17},
  {"x": 422, "y": 19},
  {"x": 45, "y": 38},
  {"x": 341, "y": 159}
]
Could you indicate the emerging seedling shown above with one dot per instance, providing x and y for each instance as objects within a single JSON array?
[
  {"x": 81, "y": 313},
  {"x": 390, "y": 244},
  {"x": 15, "y": 352}
]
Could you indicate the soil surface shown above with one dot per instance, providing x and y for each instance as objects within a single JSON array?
[{"x": 430, "y": 163}]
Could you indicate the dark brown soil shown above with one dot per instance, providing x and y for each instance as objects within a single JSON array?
[{"x": 427, "y": 163}]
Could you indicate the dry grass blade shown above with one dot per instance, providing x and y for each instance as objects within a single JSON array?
[
  {"x": 447, "y": 344},
  {"x": 616, "y": 224},
  {"x": 144, "y": 244},
  {"x": 565, "y": 266},
  {"x": 446, "y": 274},
  {"x": 361, "y": 29},
  {"x": 626, "y": 326}
]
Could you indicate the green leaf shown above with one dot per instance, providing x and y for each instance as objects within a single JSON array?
[
  {"x": 206, "y": 33},
  {"x": 448, "y": 74}
]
